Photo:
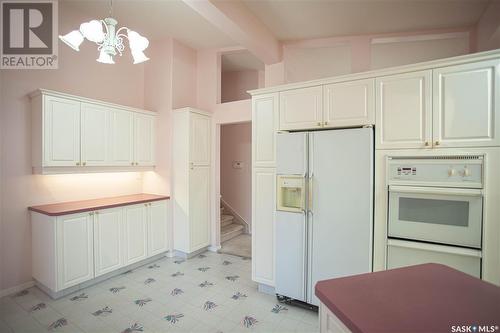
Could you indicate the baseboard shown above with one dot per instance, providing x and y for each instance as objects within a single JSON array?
[
  {"x": 264, "y": 288},
  {"x": 237, "y": 217},
  {"x": 16, "y": 289},
  {"x": 185, "y": 255},
  {"x": 214, "y": 248}
]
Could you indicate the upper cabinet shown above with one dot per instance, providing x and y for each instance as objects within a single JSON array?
[
  {"x": 144, "y": 143},
  {"x": 349, "y": 103},
  {"x": 404, "y": 110},
  {"x": 74, "y": 134},
  {"x": 199, "y": 147},
  {"x": 61, "y": 134},
  {"x": 466, "y": 105},
  {"x": 343, "y": 104},
  {"x": 264, "y": 127},
  {"x": 301, "y": 108}
]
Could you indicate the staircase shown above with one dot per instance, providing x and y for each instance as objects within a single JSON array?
[{"x": 228, "y": 228}]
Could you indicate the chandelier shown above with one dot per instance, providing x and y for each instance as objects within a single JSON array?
[{"x": 110, "y": 41}]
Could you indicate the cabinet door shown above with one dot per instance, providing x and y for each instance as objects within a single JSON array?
[
  {"x": 199, "y": 145},
  {"x": 403, "y": 111},
  {"x": 74, "y": 249},
  {"x": 61, "y": 132},
  {"x": 199, "y": 207},
  {"x": 135, "y": 234},
  {"x": 263, "y": 216},
  {"x": 108, "y": 240},
  {"x": 95, "y": 135},
  {"x": 144, "y": 136},
  {"x": 122, "y": 137},
  {"x": 466, "y": 105},
  {"x": 301, "y": 108},
  {"x": 264, "y": 126},
  {"x": 157, "y": 228},
  {"x": 349, "y": 103}
]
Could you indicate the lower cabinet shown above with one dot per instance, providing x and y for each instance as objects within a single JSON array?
[
  {"x": 108, "y": 240},
  {"x": 72, "y": 249},
  {"x": 263, "y": 213},
  {"x": 157, "y": 228},
  {"x": 74, "y": 242},
  {"x": 135, "y": 233}
]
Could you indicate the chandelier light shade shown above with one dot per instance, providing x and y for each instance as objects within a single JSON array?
[{"x": 109, "y": 41}]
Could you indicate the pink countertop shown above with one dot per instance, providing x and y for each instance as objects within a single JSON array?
[
  {"x": 64, "y": 208},
  {"x": 422, "y": 298}
]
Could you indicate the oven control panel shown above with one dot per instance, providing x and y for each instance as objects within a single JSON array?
[{"x": 436, "y": 172}]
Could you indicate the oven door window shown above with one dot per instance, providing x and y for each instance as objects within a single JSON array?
[
  {"x": 435, "y": 211},
  {"x": 446, "y": 216}
]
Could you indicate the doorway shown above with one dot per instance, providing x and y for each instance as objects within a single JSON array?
[{"x": 236, "y": 189}]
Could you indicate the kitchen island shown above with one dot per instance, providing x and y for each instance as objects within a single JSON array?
[{"x": 421, "y": 298}]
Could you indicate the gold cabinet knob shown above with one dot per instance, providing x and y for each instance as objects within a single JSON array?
[
  {"x": 77, "y": 163},
  {"x": 326, "y": 123},
  {"x": 84, "y": 163},
  {"x": 427, "y": 143},
  {"x": 131, "y": 163},
  {"x": 437, "y": 143},
  {"x": 319, "y": 123}
]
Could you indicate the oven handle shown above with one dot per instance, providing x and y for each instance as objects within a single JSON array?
[{"x": 436, "y": 190}]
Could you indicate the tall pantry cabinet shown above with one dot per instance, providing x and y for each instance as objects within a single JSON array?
[
  {"x": 265, "y": 117},
  {"x": 191, "y": 165}
]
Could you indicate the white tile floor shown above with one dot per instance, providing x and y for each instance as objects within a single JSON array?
[{"x": 210, "y": 293}]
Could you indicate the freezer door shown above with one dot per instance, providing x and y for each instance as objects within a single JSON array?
[
  {"x": 341, "y": 166},
  {"x": 291, "y": 153},
  {"x": 291, "y": 255}
]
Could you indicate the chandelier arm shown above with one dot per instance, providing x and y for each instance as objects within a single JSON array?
[{"x": 122, "y": 28}]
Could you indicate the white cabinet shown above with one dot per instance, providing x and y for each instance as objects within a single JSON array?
[
  {"x": 301, "y": 108},
  {"x": 467, "y": 105},
  {"x": 199, "y": 206},
  {"x": 122, "y": 137},
  {"x": 74, "y": 249},
  {"x": 61, "y": 138},
  {"x": 200, "y": 127},
  {"x": 404, "y": 111},
  {"x": 76, "y": 134},
  {"x": 264, "y": 126},
  {"x": 136, "y": 240},
  {"x": 349, "y": 103},
  {"x": 95, "y": 135},
  {"x": 108, "y": 240},
  {"x": 263, "y": 216},
  {"x": 144, "y": 134},
  {"x": 157, "y": 228},
  {"x": 69, "y": 250},
  {"x": 191, "y": 181}
]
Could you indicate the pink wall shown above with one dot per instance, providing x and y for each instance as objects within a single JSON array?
[
  {"x": 78, "y": 74},
  {"x": 183, "y": 76},
  {"x": 488, "y": 28},
  {"x": 234, "y": 85},
  {"x": 236, "y": 184},
  {"x": 158, "y": 97}
]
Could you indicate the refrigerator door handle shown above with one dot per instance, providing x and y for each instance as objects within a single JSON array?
[{"x": 310, "y": 194}]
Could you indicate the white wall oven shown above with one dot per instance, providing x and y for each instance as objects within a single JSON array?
[{"x": 435, "y": 211}]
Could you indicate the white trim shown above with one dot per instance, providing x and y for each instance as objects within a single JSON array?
[
  {"x": 213, "y": 248},
  {"x": 417, "y": 38},
  {"x": 237, "y": 216},
  {"x": 15, "y": 289},
  {"x": 54, "y": 93},
  {"x": 475, "y": 57}
]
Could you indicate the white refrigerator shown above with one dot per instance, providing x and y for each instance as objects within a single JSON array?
[{"x": 324, "y": 213}]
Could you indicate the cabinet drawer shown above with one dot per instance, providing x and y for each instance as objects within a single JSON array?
[{"x": 405, "y": 253}]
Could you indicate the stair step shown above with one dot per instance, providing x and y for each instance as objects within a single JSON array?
[
  {"x": 230, "y": 231},
  {"x": 226, "y": 220}
]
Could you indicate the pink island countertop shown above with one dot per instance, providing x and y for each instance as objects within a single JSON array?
[
  {"x": 72, "y": 207},
  {"x": 422, "y": 298}
]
